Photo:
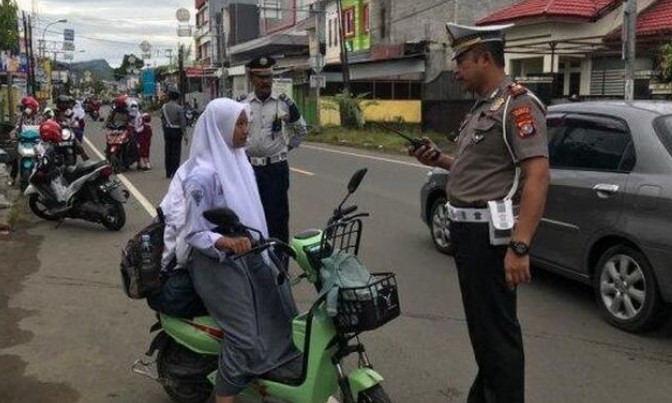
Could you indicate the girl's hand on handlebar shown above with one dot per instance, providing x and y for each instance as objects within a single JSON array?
[{"x": 236, "y": 245}]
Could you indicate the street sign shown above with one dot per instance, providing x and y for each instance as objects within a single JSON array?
[
  {"x": 318, "y": 81},
  {"x": 145, "y": 46},
  {"x": 182, "y": 14},
  {"x": 69, "y": 46},
  {"x": 69, "y": 35},
  {"x": 184, "y": 31},
  {"x": 148, "y": 82}
]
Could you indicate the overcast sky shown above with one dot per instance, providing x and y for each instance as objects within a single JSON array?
[{"x": 108, "y": 29}]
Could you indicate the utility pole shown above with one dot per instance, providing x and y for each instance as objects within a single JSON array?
[
  {"x": 31, "y": 56},
  {"x": 180, "y": 69},
  {"x": 29, "y": 85},
  {"x": 345, "y": 66},
  {"x": 629, "y": 41}
]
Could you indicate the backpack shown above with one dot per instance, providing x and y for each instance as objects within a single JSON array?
[{"x": 141, "y": 279}]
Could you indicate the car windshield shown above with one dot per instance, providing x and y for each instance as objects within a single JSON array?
[{"x": 663, "y": 127}]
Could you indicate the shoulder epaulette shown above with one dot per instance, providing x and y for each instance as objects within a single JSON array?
[{"x": 517, "y": 90}]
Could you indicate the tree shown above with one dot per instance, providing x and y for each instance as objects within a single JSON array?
[
  {"x": 9, "y": 25},
  {"x": 123, "y": 70},
  {"x": 665, "y": 63}
]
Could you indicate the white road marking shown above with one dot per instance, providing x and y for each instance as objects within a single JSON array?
[
  {"x": 302, "y": 172},
  {"x": 351, "y": 154},
  {"x": 149, "y": 207}
]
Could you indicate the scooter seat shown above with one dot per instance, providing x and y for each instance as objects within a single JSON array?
[
  {"x": 82, "y": 169},
  {"x": 291, "y": 373}
]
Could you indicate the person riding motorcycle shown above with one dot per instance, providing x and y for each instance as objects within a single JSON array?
[
  {"x": 121, "y": 114},
  {"x": 50, "y": 134},
  {"x": 65, "y": 117},
  {"x": 29, "y": 116}
]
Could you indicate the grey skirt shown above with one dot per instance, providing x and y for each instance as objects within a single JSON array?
[{"x": 254, "y": 312}]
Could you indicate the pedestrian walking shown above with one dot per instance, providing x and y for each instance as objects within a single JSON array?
[
  {"x": 145, "y": 142},
  {"x": 174, "y": 124},
  {"x": 276, "y": 127},
  {"x": 496, "y": 195}
]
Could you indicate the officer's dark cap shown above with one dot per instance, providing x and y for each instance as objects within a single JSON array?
[
  {"x": 261, "y": 66},
  {"x": 463, "y": 37}
]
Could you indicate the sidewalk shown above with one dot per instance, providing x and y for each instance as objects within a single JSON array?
[{"x": 9, "y": 201}]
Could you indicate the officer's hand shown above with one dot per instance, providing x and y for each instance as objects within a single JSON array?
[
  {"x": 236, "y": 245},
  {"x": 424, "y": 153},
  {"x": 516, "y": 269}
]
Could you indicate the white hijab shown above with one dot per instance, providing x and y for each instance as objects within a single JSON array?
[
  {"x": 78, "y": 110},
  {"x": 212, "y": 148}
]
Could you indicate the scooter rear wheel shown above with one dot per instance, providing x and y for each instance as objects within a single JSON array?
[
  {"x": 375, "y": 394},
  {"x": 182, "y": 390}
]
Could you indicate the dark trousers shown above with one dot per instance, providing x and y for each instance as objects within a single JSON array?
[
  {"x": 273, "y": 184},
  {"x": 490, "y": 309},
  {"x": 172, "y": 139}
]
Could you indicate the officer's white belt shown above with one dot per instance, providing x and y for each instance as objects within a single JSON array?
[
  {"x": 263, "y": 161},
  {"x": 459, "y": 214}
]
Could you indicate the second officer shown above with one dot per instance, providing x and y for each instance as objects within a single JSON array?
[{"x": 276, "y": 127}]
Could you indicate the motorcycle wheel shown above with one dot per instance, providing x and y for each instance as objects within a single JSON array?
[
  {"x": 375, "y": 394},
  {"x": 38, "y": 207},
  {"x": 116, "y": 217},
  {"x": 23, "y": 180},
  {"x": 115, "y": 161},
  {"x": 181, "y": 391}
]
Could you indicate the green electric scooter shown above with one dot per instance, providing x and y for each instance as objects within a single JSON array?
[{"x": 187, "y": 349}]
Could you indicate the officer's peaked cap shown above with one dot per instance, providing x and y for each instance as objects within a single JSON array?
[
  {"x": 463, "y": 37},
  {"x": 263, "y": 64}
]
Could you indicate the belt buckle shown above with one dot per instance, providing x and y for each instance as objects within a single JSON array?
[{"x": 258, "y": 161}]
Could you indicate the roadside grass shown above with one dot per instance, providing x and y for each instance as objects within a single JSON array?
[{"x": 373, "y": 137}]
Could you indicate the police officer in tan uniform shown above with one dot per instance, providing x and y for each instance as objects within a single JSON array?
[
  {"x": 276, "y": 127},
  {"x": 496, "y": 195}
]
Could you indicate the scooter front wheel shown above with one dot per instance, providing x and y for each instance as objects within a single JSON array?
[
  {"x": 39, "y": 207},
  {"x": 375, "y": 394},
  {"x": 115, "y": 219}
]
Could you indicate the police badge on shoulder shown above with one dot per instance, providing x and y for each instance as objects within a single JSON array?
[{"x": 501, "y": 221}]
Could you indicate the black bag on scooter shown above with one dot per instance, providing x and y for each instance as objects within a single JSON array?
[{"x": 141, "y": 277}]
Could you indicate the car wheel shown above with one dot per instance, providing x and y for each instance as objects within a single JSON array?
[
  {"x": 439, "y": 226},
  {"x": 626, "y": 290}
]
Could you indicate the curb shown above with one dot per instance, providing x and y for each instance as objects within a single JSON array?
[{"x": 12, "y": 195}]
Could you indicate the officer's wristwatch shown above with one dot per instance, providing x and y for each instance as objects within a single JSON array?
[{"x": 519, "y": 248}]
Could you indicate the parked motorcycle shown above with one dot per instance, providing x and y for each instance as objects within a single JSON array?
[
  {"x": 29, "y": 138},
  {"x": 87, "y": 191},
  {"x": 121, "y": 148},
  {"x": 187, "y": 350}
]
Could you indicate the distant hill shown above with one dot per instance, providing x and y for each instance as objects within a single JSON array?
[{"x": 100, "y": 69}]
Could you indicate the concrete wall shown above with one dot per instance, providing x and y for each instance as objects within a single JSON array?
[
  {"x": 412, "y": 20},
  {"x": 380, "y": 111}
]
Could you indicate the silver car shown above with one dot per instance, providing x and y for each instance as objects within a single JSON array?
[{"x": 608, "y": 218}]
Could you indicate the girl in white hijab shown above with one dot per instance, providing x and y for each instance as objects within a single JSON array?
[{"x": 242, "y": 296}]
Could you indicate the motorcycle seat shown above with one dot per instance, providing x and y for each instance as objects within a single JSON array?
[
  {"x": 82, "y": 169},
  {"x": 290, "y": 373}
]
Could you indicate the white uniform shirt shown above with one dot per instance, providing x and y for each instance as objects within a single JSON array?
[{"x": 263, "y": 141}]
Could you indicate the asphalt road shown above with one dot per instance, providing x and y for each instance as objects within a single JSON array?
[{"x": 69, "y": 334}]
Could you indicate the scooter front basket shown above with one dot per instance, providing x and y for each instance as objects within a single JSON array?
[{"x": 368, "y": 307}]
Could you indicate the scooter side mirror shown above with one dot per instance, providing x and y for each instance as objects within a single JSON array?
[
  {"x": 222, "y": 217},
  {"x": 356, "y": 180}
]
